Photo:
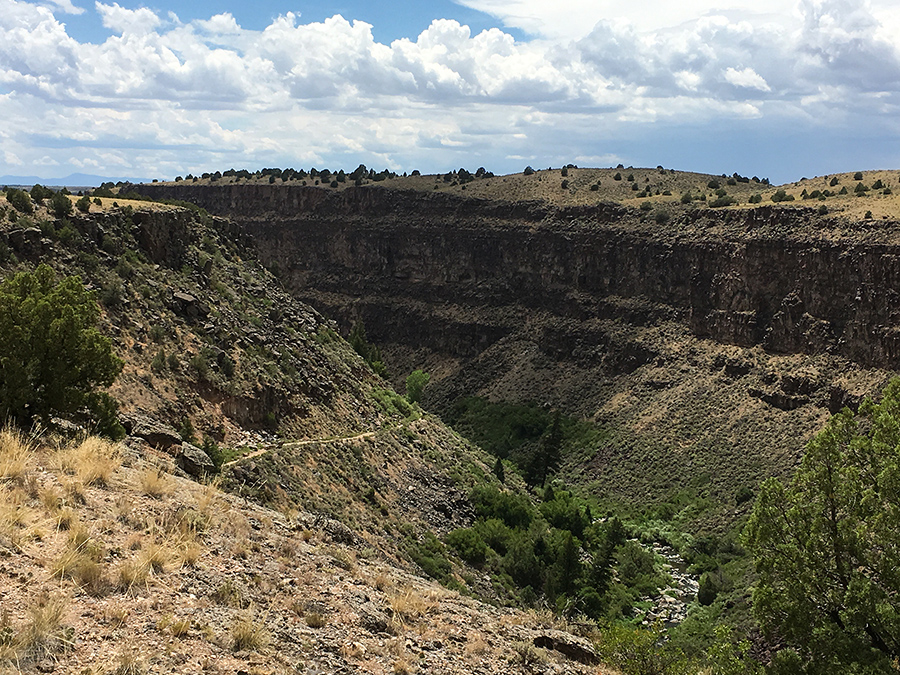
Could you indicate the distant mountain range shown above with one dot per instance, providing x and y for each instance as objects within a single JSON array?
[{"x": 72, "y": 180}]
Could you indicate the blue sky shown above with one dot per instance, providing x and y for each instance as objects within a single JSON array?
[{"x": 785, "y": 90}]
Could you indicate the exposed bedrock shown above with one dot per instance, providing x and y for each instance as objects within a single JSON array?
[{"x": 780, "y": 278}]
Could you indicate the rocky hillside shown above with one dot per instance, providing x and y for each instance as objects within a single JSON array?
[
  {"x": 706, "y": 344},
  {"x": 223, "y": 366},
  {"x": 110, "y": 564}
]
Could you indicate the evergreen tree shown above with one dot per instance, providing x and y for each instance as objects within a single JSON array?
[
  {"x": 52, "y": 357},
  {"x": 547, "y": 458},
  {"x": 827, "y": 545}
]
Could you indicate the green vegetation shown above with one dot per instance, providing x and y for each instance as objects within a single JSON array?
[
  {"x": 557, "y": 554},
  {"x": 522, "y": 433},
  {"x": 827, "y": 546},
  {"x": 370, "y": 353},
  {"x": 53, "y": 359},
  {"x": 19, "y": 200},
  {"x": 416, "y": 382},
  {"x": 782, "y": 196}
]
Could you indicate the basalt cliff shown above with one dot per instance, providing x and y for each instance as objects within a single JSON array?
[{"x": 708, "y": 344}]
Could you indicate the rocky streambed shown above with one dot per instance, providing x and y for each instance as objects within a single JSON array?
[{"x": 670, "y": 607}]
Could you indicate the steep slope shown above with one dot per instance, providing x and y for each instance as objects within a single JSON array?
[{"x": 217, "y": 353}]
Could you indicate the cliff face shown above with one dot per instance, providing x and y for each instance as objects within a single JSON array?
[{"x": 774, "y": 277}]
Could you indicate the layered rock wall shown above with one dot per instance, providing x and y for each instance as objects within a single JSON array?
[{"x": 778, "y": 277}]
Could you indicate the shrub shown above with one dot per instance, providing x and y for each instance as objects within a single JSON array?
[
  {"x": 724, "y": 200},
  {"x": 686, "y": 198},
  {"x": 781, "y": 196},
  {"x": 618, "y": 176},
  {"x": 528, "y": 171},
  {"x": 61, "y": 205},
  {"x": 83, "y": 204},
  {"x": 858, "y": 175},
  {"x": 415, "y": 385},
  {"x": 819, "y": 548},
  {"x": 19, "y": 200},
  {"x": 638, "y": 651},
  {"x": 514, "y": 510},
  {"x": 469, "y": 544},
  {"x": 823, "y": 210},
  {"x": 38, "y": 378},
  {"x": 755, "y": 199},
  {"x": 661, "y": 216},
  {"x": 564, "y": 185},
  {"x": 646, "y": 206},
  {"x": 834, "y": 181}
]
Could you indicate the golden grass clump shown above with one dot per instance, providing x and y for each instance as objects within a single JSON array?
[
  {"x": 248, "y": 634},
  {"x": 189, "y": 552},
  {"x": 15, "y": 516},
  {"x": 15, "y": 453},
  {"x": 131, "y": 574},
  {"x": 80, "y": 562},
  {"x": 155, "y": 483},
  {"x": 42, "y": 636},
  {"x": 409, "y": 605},
  {"x": 93, "y": 461}
]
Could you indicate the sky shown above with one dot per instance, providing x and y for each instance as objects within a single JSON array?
[{"x": 783, "y": 90}]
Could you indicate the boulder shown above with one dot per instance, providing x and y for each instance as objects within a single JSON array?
[
  {"x": 157, "y": 434},
  {"x": 373, "y": 619},
  {"x": 194, "y": 461},
  {"x": 575, "y": 648}
]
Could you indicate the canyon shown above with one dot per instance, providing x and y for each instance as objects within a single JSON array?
[{"x": 708, "y": 344}]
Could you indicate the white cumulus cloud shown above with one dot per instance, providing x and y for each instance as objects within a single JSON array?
[{"x": 211, "y": 89}]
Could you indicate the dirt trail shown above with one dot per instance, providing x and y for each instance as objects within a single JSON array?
[{"x": 309, "y": 441}]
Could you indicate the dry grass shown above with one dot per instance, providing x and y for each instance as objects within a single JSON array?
[
  {"x": 247, "y": 633},
  {"x": 130, "y": 575},
  {"x": 177, "y": 627},
  {"x": 92, "y": 462},
  {"x": 80, "y": 562},
  {"x": 128, "y": 663},
  {"x": 152, "y": 559},
  {"x": 43, "y": 634},
  {"x": 315, "y": 620},
  {"x": 476, "y": 645},
  {"x": 16, "y": 452},
  {"x": 15, "y": 515},
  {"x": 155, "y": 483},
  {"x": 401, "y": 667},
  {"x": 155, "y": 557},
  {"x": 189, "y": 552},
  {"x": 410, "y": 605}
]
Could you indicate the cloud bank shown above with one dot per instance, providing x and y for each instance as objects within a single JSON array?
[{"x": 163, "y": 97}]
